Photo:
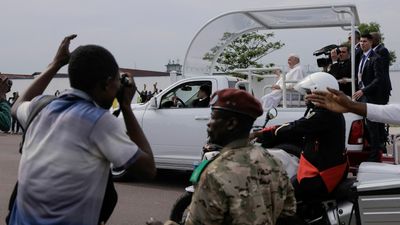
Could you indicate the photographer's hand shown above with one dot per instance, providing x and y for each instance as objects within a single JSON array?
[
  {"x": 40, "y": 83},
  {"x": 144, "y": 165},
  {"x": 62, "y": 56},
  {"x": 126, "y": 93}
]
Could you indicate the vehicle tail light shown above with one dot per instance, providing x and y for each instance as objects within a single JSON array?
[{"x": 356, "y": 132}]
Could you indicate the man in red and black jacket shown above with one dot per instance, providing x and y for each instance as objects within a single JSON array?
[{"x": 323, "y": 160}]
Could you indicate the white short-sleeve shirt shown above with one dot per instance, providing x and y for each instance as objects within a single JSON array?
[{"x": 66, "y": 159}]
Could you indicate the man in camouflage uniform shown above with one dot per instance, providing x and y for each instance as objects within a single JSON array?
[{"x": 244, "y": 184}]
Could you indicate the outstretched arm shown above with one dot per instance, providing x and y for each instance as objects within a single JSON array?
[
  {"x": 384, "y": 113},
  {"x": 40, "y": 83},
  {"x": 337, "y": 101}
]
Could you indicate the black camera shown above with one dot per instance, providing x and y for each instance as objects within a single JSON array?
[
  {"x": 9, "y": 83},
  {"x": 327, "y": 60},
  {"x": 124, "y": 79}
]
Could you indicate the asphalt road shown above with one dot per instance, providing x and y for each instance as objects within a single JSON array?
[{"x": 138, "y": 199}]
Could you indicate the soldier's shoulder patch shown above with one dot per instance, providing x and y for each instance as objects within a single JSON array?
[{"x": 194, "y": 178}]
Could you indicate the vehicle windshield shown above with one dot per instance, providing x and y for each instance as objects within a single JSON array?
[{"x": 184, "y": 95}]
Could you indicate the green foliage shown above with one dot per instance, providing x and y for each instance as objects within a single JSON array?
[
  {"x": 366, "y": 28},
  {"x": 243, "y": 52}
]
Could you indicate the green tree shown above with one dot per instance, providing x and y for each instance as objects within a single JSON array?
[
  {"x": 244, "y": 51},
  {"x": 366, "y": 28}
]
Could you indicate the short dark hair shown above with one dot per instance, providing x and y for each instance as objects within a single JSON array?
[
  {"x": 206, "y": 88},
  {"x": 345, "y": 45},
  {"x": 89, "y": 65},
  {"x": 376, "y": 35},
  {"x": 367, "y": 35}
]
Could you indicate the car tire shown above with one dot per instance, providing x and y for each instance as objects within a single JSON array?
[{"x": 179, "y": 210}]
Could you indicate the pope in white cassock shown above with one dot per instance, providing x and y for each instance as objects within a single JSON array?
[{"x": 294, "y": 74}]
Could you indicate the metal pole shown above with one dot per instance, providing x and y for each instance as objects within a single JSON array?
[
  {"x": 353, "y": 56},
  {"x": 395, "y": 153},
  {"x": 250, "y": 79},
  {"x": 284, "y": 90}
]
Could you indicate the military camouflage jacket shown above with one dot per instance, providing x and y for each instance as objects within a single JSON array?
[{"x": 243, "y": 185}]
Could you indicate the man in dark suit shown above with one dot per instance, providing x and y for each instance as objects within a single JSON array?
[
  {"x": 383, "y": 52},
  {"x": 373, "y": 87},
  {"x": 203, "y": 97},
  {"x": 341, "y": 68}
]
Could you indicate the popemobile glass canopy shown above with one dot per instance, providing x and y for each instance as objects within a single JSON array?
[{"x": 234, "y": 24}]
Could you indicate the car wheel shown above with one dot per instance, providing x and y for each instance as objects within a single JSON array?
[{"x": 179, "y": 210}]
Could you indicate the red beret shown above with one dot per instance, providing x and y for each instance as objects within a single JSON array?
[{"x": 236, "y": 100}]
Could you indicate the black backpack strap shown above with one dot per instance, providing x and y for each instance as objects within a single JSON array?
[{"x": 37, "y": 107}]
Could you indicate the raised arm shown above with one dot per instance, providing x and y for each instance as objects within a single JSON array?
[
  {"x": 42, "y": 81},
  {"x": 145, "y": 164}
]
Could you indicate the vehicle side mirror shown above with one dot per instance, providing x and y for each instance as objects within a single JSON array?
[
  {"x": 153, "y": 103},
  {"x": 270, "y": 114}
]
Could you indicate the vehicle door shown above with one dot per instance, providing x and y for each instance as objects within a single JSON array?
[{"x": 175, "y": 129}]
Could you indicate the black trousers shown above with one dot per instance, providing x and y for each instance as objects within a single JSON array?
[
  {"x": 376, "y": 136},
  {"x": 15, "y": 125},
  {"x": 309, "y": 188},
  {"x": 376, "y": 139}
]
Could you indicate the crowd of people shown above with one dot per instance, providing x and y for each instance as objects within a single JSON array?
[
  {"x": 146, "y": 95},
  {"x": 244, "y": 184}
]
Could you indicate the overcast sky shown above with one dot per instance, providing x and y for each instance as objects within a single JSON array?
[{"x": 146, "y": 34}]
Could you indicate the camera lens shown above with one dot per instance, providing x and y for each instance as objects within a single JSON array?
[{"x": 124, "y": 80}]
